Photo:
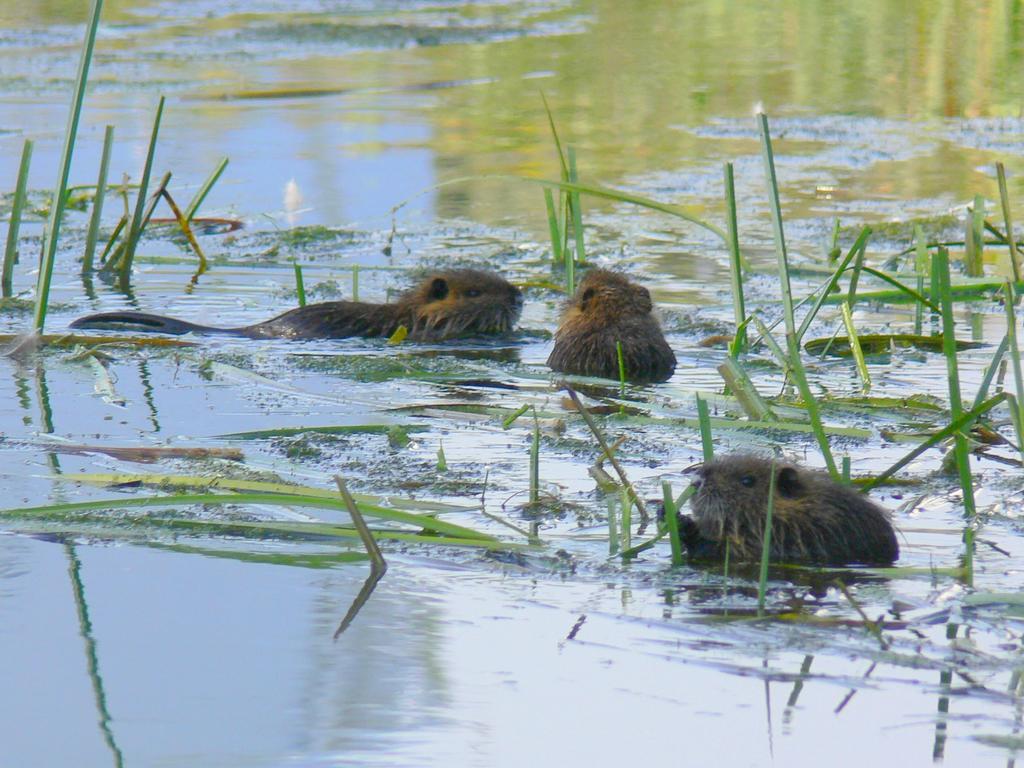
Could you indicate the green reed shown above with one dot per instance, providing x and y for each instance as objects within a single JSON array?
[
  {"x": 535, "y": 461},
  {"x": 858, "y": 353},
  {"x": 672, "y": 522},
  {"x": 622, "y": 368},
  {"x": 922, "y": 266},
  {"x": 124, "y": 266},
  {"x": 204, "y": 190},
  {"x": 300, "y": 286},
  {"x": 704, "y": 418},
  {"x": 97, "y": 201},
  {"x": 1010, "y": 302},
  {"x": 974, "y": 241},
  {"x": 1011, "y": 240},
  {"x": 17, "y": 206},
  {"x": 775, "y": 209},
  {"x": 52, "y": 233},
  {"x": 735, "y": 263}
]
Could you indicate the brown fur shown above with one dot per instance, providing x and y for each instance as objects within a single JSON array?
[
  {"x": 609, "y": 308},
  {"x": 446, "y": 304},
  {"x": 814, "y": 519}
]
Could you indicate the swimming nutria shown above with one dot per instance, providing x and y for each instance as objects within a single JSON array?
[
  {"x": 607, "y": 308},
  {"x": 457, "y": 302},
  {"x": 814, "y": 519}
]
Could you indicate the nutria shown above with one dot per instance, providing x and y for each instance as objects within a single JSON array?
[
  {"x": 814, "y": 519},
  {"x": 608, "y": 308},
  {"x": 458, "y": 302}
]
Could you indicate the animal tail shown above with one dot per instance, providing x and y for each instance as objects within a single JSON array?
[{"x": 143, "y": 322}]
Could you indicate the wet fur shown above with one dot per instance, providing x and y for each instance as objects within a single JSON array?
[
  {"x": 462, "y": 302},
  {"x": 608, "y": 308},
  {"x": 814, "y": 519}
]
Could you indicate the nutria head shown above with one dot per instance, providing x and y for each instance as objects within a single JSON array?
[
  {"x": 608, "y": 308},
  {"x": 814, "y": 518},
  {"x": 460, "y": 302}
]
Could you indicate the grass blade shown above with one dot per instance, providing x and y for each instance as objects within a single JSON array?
[
  {"x": 922, "y": 267},
  {"x": 1011, "y": 240},
  {"x": 136, "y": 226},
  {"x": 735, "y": 262},
  {"x": 553, "y": 227},
  {"x": 859, "y": 244},
  {"x": 17, "y": 205},
  {"x": 672, "y": 523},
  {"x": 300, "y": 287},
  {"x": 955, "y": 426},
  {"x": 776, "y": 213},
  {"x": 577, "y": 211},
  {"x": 858, "y": 353},
  {"x": 974, "y": 240},
  {"x": 1010, "y": 301},
  {"x": 204, "y": 190},
  {"x": 707, "y": 447},
  {"x": 59, "y": 193},
  {"x": 97, "y": 202}
]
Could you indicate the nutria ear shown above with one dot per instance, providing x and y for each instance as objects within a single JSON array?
[
  {"x": 586, "y": 298},
  {"x": 438, "y": 288},
  {"x": 787, "y": 482}
]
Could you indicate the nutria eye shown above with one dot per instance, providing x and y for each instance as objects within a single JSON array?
[
  {"x": 473, "y": 292},
  {"x": 748, "y": 481}
]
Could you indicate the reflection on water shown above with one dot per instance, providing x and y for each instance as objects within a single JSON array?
[{"x": 140, "y": 647}]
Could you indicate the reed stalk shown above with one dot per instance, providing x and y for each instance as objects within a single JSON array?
[
  {"x": 14, "y": 226},
  {"x": 52, "y": 234}
]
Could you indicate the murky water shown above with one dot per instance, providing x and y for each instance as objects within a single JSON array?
[{"x": 134, "y": 645}]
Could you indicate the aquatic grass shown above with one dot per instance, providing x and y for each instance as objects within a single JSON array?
[
  {"x": 300, "y": 286},
  {"x": 880, "y": 343},
  {"x": 845, "y": 469},
  {"x": 956, "y": 426},
  {"x": 514, "y": 416},
  {"x": 858, "y": 353},
  {"x": 609, "y": 453},
  {"x": 1009, "y": 302},
  {"x": 613, "y": 528},
  {"x": 52, "y": 233},
  {"x": 746, "y": 394},
  {"x": 622, "y": 368},
  {"x": 775, "y": 209},
  {"x": 355, "y": 282},
  {"x": 990, "y": 372},
  {"x": 14, "y": 223},
  {"x": 922, "y": 266},
  {"x": 439, "y": 528},
  {"x": 399, "y": 335},
  {"x": 92, "y": 235},
  {"x": 1011, "y": 239},
  {"x": 672, "y": 523},
  {"x": 442, "y": 461},
  {"x": 735, "y": 264},
  {"x": 796, "y": 370},
  {"x": 826, "y": 290},
  {"x": 766, "y": 543},
  {"x": 704, "y": 419},
  {"x": 136, "y": 225},
  {"x": 974, "y": 239},
  {"x": 553, "y": 227},
  {"x": 627, "y": 518},
  {"x": 223, "y": 483},
  {"x": 204, "y": 190},
  {"x": 576, "y": 208},
  {"x": 378, "y": 563},
  {"x": 112, "y": 241},
  {"x": 940, "y": 263}
]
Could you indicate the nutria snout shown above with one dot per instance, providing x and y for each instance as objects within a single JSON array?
[
  {"x": 608, "y": 308},
  {"x": 446, "y": 304},
  {"x": 814, "y": 520}
]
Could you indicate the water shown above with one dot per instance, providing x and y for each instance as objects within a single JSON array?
[{"x": 135, "y": 645}]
